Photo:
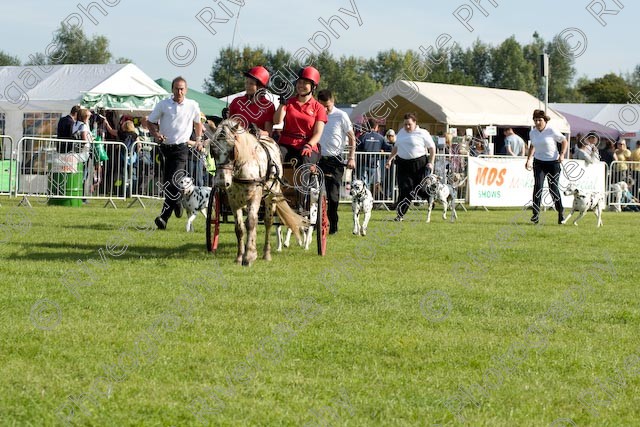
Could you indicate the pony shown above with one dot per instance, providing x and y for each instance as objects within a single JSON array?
[{"x": 249, "y": 168}]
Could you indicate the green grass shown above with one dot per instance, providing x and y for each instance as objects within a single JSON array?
[{"x": 384, "y": 330}]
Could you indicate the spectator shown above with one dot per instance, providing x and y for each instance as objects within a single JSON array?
[
  {"x": 586, "y": 149},
  {"x": 621, "y": 155},
  {"x": 390, "y": 137},
  {"x": 513, "y": 144},
  {"x": 607, "y": 154},
  {"x": 545, "y": 159},
  {"x": 635, "y": 166},
  {"x": 336, "y": 132},
  {"x": 171, "y": 123},
  {"x": 372, "y": 142},
  {"x": 411, "y": 149},
  {"x": 65, "y": 129}
]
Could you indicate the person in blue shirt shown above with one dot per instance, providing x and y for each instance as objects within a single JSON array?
[{"x": 369, "y": 165}]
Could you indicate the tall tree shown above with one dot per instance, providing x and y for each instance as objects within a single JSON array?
[
  {"x": 510, "y": 69},
  {"x": 73, "y": 47},
  {"x": 226, "y": 76},
  {"x": 561, "y": 70},
  {"x": 6, "y": 59},
  {"x": 611, "y": 88}
]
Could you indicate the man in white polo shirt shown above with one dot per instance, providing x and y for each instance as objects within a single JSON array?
[
  {"x": 171, "y": 123},
  {"x": 337, "y": 131}
]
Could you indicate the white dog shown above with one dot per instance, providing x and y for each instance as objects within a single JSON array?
[
  {"x": 194, "y": 200},
  {"x": 583, "y": 202},
  {"x": 361, "y": 201},
  {"x": 618, "y": 189},
  {"x": 439, "y": 192}
]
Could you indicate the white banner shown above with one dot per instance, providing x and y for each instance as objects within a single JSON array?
[{"x": 504, "y": 181}]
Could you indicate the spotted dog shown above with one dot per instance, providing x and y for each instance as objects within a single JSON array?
[
  {"x": 438, "y": 192},
  {"x": 361, "y": 201},
  {"x": 583, "y": 202},
  {"x": 194, "y": 200}
]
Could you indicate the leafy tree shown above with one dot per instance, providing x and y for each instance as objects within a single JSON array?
[
  {"x": 73, "y": 47},
  {"x": 6, "y": 59},
  {"x": 611, "y": 88},
  {"x": 123, "y": 60},
  {"x": 348, "y": 79},
  {"x": 561, "y": 70},
  {"x": 226, "y": 76},
  {"x": 389, "y": 66},
  {"x": 510, "y": 69}
]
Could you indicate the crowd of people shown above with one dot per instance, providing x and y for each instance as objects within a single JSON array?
[{"x": 312, "y": 132}]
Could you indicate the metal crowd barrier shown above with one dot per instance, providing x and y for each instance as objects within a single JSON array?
[
  {"x": 69, "y": 172},
  {"x": 628, "y": 172},
  {"x": 370, "y": 167},
  {"x": 145, "y": 172}
]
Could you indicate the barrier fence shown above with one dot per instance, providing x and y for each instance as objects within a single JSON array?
[{"x": 70, "y": 172}]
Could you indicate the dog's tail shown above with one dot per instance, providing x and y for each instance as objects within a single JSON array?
[{"x": 290, "y": 218}]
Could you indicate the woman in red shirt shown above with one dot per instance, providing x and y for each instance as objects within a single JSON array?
[
  {"x": 304, "y": 119},
  {"x": 253, "y": 107}
]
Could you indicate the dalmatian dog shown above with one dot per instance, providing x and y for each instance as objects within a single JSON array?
[
  {"x": 194, "y": 200},
  {"x": 361, "y": 201},
  {"x": 583, "y": 202},
  {"x": 438, "y": 192}
]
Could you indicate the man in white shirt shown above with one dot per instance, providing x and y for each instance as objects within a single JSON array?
[
  {"x": 335, "y": 134},
  {"x": 171, "y": 123}
]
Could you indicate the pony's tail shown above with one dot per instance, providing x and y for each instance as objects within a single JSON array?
[{"x": 290, "y": 218}]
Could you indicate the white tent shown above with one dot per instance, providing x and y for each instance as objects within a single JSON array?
[
  {"x": 623, "y": 117},
  {"x": 439, "y": 106},
  {"x": 55, "y": 89}
]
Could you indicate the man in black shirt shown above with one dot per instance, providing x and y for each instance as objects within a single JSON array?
[{"x": 65, "y": 129}]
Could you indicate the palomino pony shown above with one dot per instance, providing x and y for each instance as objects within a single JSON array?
[{"x": 252, "y": 169}]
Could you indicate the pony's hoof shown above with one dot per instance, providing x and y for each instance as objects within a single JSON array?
[
  {"x": 267, "y": 257},
  {"x": 363, "y": 232}
]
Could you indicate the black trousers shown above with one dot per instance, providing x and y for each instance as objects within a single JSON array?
[
  {"x": 333, "y": 169},
  {"x": 409, "y": 175},
  {"x": 551, "y": 171},
  {"x": 175, "y": 168}
]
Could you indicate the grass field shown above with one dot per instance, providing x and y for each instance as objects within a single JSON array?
[{"x": 489, "y": 321}]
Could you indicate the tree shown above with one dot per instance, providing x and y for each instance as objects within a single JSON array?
[
  {"x": 6, "y": 59},
  {"x": 73, "y": 47},
  {"x": 561, "y": 70},
  {"x": 510, "y": 69},
  {"x": 226, "y": 76},
  {"x": 610, "y": 88}
]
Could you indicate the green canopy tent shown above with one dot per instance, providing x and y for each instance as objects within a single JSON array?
[{"x": 209, "y": 105}]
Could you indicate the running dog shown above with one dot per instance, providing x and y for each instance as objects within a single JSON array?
[
  {"x": 583, "y": 202},
  {"x": 194, "y": 200},
  {"x": 361, "y": 201},
  {"x": 438, "y": 192}
]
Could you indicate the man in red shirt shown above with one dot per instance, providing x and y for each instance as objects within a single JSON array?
[
  {"x": 253, "y": 107},
  {"x": 304, "y": 119}
]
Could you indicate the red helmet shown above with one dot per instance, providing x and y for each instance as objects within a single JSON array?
[
  {"x": 310, "y": 73},
  {"x": 260, "y": 74}
]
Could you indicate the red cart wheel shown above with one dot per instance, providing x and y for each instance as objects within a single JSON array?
[
  {"x": 322, "y": 222},
  {"x": 213, "y": 220}
]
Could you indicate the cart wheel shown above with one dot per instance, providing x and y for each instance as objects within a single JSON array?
[
  {"x": 322, "y": 222},
  {"x": 213, "y": 220}
]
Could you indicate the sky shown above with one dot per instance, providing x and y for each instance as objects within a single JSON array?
[{"x": 184, "y": 38}]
